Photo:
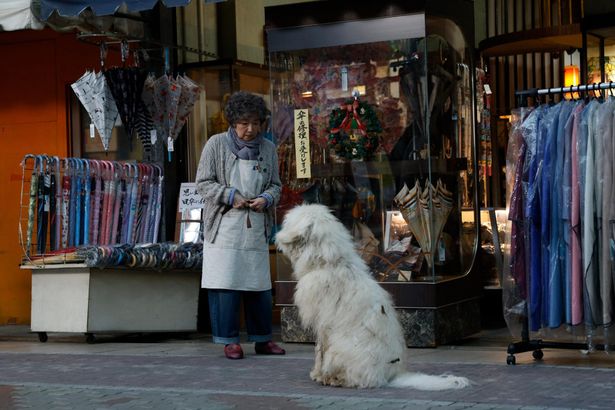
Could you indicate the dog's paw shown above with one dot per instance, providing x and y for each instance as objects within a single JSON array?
[
  {"x": 316, "y": 376},
  {"x": 333, "y": 381}
]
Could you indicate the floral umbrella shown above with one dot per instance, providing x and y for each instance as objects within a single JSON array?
[
  {"x": 94, "y": 93},
  {"x": 169, "y": 102},
  {"x": 190, "y": 92},
  {"x": 161, "y": 97}
]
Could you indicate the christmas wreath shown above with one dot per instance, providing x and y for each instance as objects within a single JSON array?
[{"x": 354, "y": 130}]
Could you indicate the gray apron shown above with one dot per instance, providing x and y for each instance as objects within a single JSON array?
[{"x": 238, "y": 259}]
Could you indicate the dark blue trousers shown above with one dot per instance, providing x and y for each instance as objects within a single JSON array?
[{"x": 224, "y": 314}]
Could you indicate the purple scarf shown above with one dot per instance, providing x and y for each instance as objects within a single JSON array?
[{"x": 244, "y": 149}]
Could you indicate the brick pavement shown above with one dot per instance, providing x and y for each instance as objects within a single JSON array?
[{"x": 193, "y": 374}]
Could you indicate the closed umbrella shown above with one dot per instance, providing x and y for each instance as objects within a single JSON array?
[
  {"x": 126, "y": 85},
  {"x": 95, "y": 95}
]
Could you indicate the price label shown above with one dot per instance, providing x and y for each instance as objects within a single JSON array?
[{"x": 152, "y": 136}]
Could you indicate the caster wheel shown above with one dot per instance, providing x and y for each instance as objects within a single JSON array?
[
  {"x": 511, "y": 360},
  {"x": 537, "y": 354},
  {"x": 89, "y": 338},
  {"x": 42, "y": 337}
]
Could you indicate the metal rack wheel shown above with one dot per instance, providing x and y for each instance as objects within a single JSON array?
[
  {"x": 42, "y": 337},
  {"x": 511, "y": 359},
  {"x": 537, "y": 354},
  {"x": 90, "y": 338}
]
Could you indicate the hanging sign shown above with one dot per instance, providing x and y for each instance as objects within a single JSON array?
[
  {"x": 302, "y": 144},
  {"x": 189, "y": 198}
]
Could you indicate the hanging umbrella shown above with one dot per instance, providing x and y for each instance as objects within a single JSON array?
[
  {"x": 161, "y": 97},
  {"x": 169, "y": 101},
  {"x": 144, "y": 125},
  {"x": 126, "y": 85},
  {"x": 190, "y": 92},
  {"x": 95, "y": 95},
  {"x": 426, "y": 212}
]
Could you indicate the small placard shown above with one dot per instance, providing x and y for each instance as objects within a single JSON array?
[
  {"x": 441, "y": 251},
  {"x": 302, "y": 144},
  {"x": 487, "y": 89},
  {"x": 189, "y": 198},
  {"x": 92, "y": 131},
  {"x": 344, "y": 76}
]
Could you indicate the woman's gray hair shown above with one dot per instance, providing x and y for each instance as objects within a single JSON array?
[{"x": 242, "y": 105}]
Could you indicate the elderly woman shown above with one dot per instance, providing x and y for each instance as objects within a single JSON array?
[{"x": 239, "y": 181}]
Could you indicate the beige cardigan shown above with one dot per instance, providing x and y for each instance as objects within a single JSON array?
[{"x": 212, "y": 178}]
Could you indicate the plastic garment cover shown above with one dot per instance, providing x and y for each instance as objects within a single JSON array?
[
  {"x": 530, "y": 130},
  {"x": 514, "y": 282},
  {"x": 539, "y": 280},
  {"x": 566, "y": 203},
  {"x": 576, "y": 264},
  {"x": 604, "y": 169},
  {"x": 557, "y": 247},
  {"x": 593, "y": 314}
]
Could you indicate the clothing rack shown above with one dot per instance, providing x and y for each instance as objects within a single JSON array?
[
  {"x": 536, "y": 92},
  {"x": 536, "y": 345}
]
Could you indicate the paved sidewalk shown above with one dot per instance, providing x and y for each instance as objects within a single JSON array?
[{"x": 163, "y": 372}]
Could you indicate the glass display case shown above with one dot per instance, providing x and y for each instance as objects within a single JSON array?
[
  {"x": 374, "y": 118},
  {"x": 391, "y": 132}
]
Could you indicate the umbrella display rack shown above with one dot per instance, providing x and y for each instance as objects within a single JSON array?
[
  {"x": 79, "y": 225},
  {"x": 69, "y": 202}
]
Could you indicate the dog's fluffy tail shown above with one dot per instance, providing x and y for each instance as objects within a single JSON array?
[{"x": 422, "y": 381}]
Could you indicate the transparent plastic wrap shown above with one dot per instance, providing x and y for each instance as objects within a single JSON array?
[{"x": 514, "y": 286}]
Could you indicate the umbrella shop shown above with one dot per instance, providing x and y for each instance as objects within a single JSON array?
[{"x": 95, "y": 121}]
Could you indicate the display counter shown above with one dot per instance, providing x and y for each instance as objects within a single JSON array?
[{"x": 79, "y": 299}]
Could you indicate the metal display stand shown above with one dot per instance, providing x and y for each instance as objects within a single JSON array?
[
  {"x": 536, "y": 345},
  {"x": 79, "y": 299}
]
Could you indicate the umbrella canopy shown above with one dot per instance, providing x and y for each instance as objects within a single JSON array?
[
  {"x": 169, "y": 101},
  {"x": 190, "y": 92},
  {"x": 95, "y": 95},
  {"x": 126, "y": 85},
  {"x": 425, "y": 211}
]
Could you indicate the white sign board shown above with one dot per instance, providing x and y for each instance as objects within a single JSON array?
[
  {"x": 302, "y": 144},
  {"x": 189, "y": 198}
]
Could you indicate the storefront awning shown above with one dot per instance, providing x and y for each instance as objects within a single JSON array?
[
  {"x": 17, "y": 15},
  {"x": 71, "y": 8}
]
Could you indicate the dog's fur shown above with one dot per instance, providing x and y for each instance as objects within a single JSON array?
[{"x": 359, "y": 341}]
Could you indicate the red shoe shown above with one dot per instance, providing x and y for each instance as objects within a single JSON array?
[
  {"x": 233, "y": 351},
  {"x": 268, "y": 348}
]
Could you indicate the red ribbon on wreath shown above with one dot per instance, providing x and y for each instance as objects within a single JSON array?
[{"x": 346, "y": 124}]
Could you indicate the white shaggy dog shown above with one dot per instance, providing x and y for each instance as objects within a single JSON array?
[{"x": 359, "y": 341}]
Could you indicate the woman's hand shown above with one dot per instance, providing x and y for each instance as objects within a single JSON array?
[
  {"x": 239, "y": 201},
  {"x": 258, "y": 204}
]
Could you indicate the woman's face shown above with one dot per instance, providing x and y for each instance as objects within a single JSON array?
[{"x": 248, "y": 128}]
